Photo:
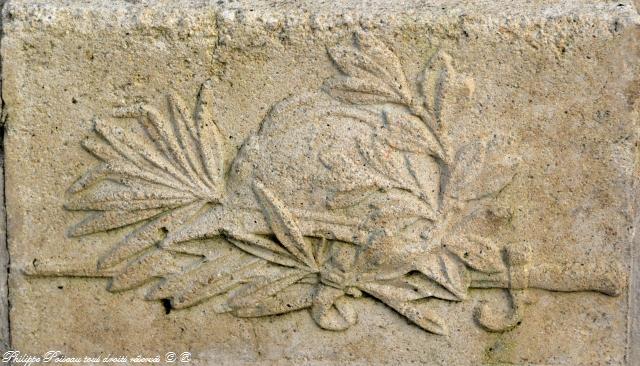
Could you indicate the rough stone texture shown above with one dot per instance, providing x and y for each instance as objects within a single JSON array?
[
  {"x": 4, "y": 264},
  {"x": 389, "y": 169},
  {"x": 4, "y": 256}
]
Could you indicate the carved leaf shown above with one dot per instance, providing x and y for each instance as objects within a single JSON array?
[
  {"x": 148, "y": 235},
  {"x": 390, "y": 163},
  {"x": 360, "y": 91},
  {"x": 215, "y": 282},
  {"x": 474, "y": 178},
  {"x": 99, "y": 149},
  {"x": 209, "y": 276},
  {"x": 262, "y": 287},
  {"x": 353, "y": 62},
  {"x": 159, "y": 152},
  {"x": 416, "y": 311},
  {"x": 144, "y": 268},
  {"x": 421, "y": 315},
  {"x": 408, "y": 287},
  {"x": 107, "y": 220},
  {"x": 438, "y": 72},
  {"x": 476, "y": 252},
  {"x": 386, "y": 58},
  {"x": 396, "y": 203},
  {"x": 186, "y": 135},
  {"x": 295, "y": 297},
  {"x": 407, "y": 133},
  {"x": 393, "y": 289},
  {"x": 284, "y": 226},
  {"x": 373, "y": 73},
  {"x": 263, "y": 248},
  {"x": 468, "y": 164},
  {"x": 354, "y": 176},
  {"x": 427, "y": 173},
  {"x": 155, "y": 171},
  {"x": 125, "y": 158},
  {"x": 427, "y": 287},
  {"x": 169, "y": 141},
  {"x": 446, "y": 271},
  {"x": 211, "y": 142},
  {"x": 120, "y": 197}
]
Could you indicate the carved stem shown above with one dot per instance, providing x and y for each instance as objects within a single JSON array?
[{"x": 428, "y": 120}]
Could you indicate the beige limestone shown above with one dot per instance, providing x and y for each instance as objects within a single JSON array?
[{"x": 286, "y": 183}]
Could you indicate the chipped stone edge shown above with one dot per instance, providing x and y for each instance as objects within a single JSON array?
[
  {"x": 633, "y": 311},
  {"x": 5, "y": 330},
  {"x": 633, "y": 346}
]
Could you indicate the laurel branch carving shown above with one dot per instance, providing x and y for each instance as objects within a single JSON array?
[{"x": 392, "y": 220}]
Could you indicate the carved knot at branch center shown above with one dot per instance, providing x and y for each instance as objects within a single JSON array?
[{"x": 339, "y": 280}]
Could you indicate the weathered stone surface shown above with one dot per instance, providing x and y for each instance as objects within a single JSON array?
[
  {"x": 4, "y": 258},
  {"x": 312, "y": 183}
]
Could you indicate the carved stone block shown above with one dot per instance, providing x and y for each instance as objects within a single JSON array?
[{"x": 301, "y": 183}]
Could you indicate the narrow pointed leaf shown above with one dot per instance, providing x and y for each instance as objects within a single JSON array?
[
  {"x": 158, "y": 128},
  {"x": 468, "y": 164},
  {"x": 127, "y": 169},
  {"x": 183, "y": 128},
  {"x": 355, "y": 63},
  {"x": 107, "y": 220},
  {"x": 211, "y": 143},
  {"x": 161, "y": 165},
  {"x": 447, "y": 272},
  {"x": 260, "y": 247},
  {"x": 380, "y": 53},
  {"x": 409, "y": 134},
  {"x": 283, "y": 225},
  {"x": 360, "y": 91},
  {"x": 295, "y": 297},
  {"x": 427, "y": 173},
  {"x": 420, "y": 314},
  {"x": 148, "y": 234},
  {"x": 145, "y": 268},
  {"x": 392, "y": 289},
  {"x": 115, "y": 137},
  {"x": 437, "y": 73},
  {"x": 111, "y": 197},
  {"x": 92, "y": 176},
  {"x": 132, "y": 153},
  {"x": 214, "y": 270},
  {"x": 215, "y": 284},
  {"x": 252, "y": 293},
  {"x": 100, "y": 150}
]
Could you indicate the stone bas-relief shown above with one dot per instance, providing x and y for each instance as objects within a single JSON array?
[
  {"x": 262, "y": 183},
  {"x": 350, "y": 191}
]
